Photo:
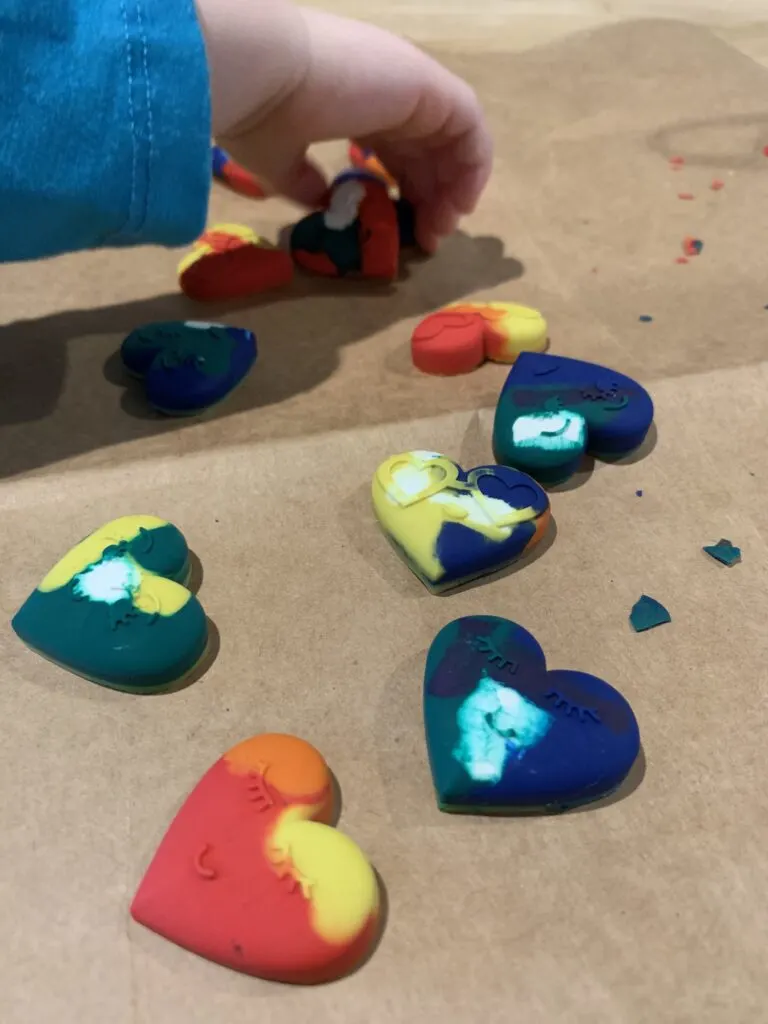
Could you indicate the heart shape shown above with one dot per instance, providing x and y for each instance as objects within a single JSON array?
[
  {"x": 504, "y": 734},
  {"x": 116, "y": 608},
  {"x": 453, "y": 526},
  {"x": 552, "y": 410},
  {"x": 357, "y": 234},
  {"x": 251, "y": 874},
  {"x": 230, "y": 261},
  {"x": 460, "y": 337},
  {"x": 188, "y": 367}
]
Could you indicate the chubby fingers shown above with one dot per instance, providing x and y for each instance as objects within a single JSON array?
[
  {"x": 363, "y": 83},
  {"x": 425, "y": 123}
]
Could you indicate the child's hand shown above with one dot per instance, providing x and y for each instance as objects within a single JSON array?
[{"x": 284, "y": 77}]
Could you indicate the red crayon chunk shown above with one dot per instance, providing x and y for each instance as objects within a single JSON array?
[{"x": 231, "y": 262}]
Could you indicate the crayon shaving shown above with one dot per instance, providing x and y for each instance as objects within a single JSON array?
[{"x": 692, "y": 246}]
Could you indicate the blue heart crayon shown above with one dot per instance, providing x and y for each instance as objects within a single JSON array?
[
  {"x": 188, "y": 366},
  {"x": 506, "y": 735},
  {"x": 552, "y": 410}
]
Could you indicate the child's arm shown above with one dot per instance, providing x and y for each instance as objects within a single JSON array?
[
  {"x": 106, "y": 119},
  {"x": 284, "y": 77},
  {"x": 106, "y": 125}
]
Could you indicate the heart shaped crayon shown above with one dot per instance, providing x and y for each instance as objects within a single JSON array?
[
  {"x": 356, "y": 235},
  {"x": 505, "y": 735},
  {"x": 231, "y": 261},
  {"x": 251, "y": 875},
  {"x": 552, "y": 410},
  {"x": 228, "y": 171},
  {"x": 453, "y": 526},
  {"x": 460, "y": 337},
  {"x": 366, "y": 160},
  {"x": 116, "y": 609},
  {"x": 188, "y": 367}
]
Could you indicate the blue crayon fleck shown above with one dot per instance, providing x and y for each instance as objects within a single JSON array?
[
  {"x": 648, "y": 613},
  {"x": 724, "y": 552}
]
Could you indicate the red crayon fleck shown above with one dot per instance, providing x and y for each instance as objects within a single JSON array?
[
  {"x": 681, "y": 259},
  {"x": 678, "y": 161},
  {"x": 692, "y": 246},
  {"x": 765, "y": 150},
  {"x": 685, "y": 195},
  {"x": 717, "y": 184}
]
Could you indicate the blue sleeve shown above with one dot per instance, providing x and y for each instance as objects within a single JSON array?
[{"x": 106, "y": 125}]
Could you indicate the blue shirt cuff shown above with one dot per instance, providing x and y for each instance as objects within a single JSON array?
[
  {"x": 106, "y": 118},
  {"x": 168, "y": 107}
]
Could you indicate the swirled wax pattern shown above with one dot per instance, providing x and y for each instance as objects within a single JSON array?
[
  {"x": 230, "y": 261},
  {"x": 251, "y": 875},
  {"x": 461, "y": 337},
  {"x": 357, "y": 234},
  {"x": 188, "y": 366},
  {"x": 230, "y": 173},
  {"x": 115, "y": 609},
  {"x": 365, "y": 159},
  {"x": 504, "y": 734},
  {"x": 552, "y": 410},
  {"x": 451, "y": 525}
]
